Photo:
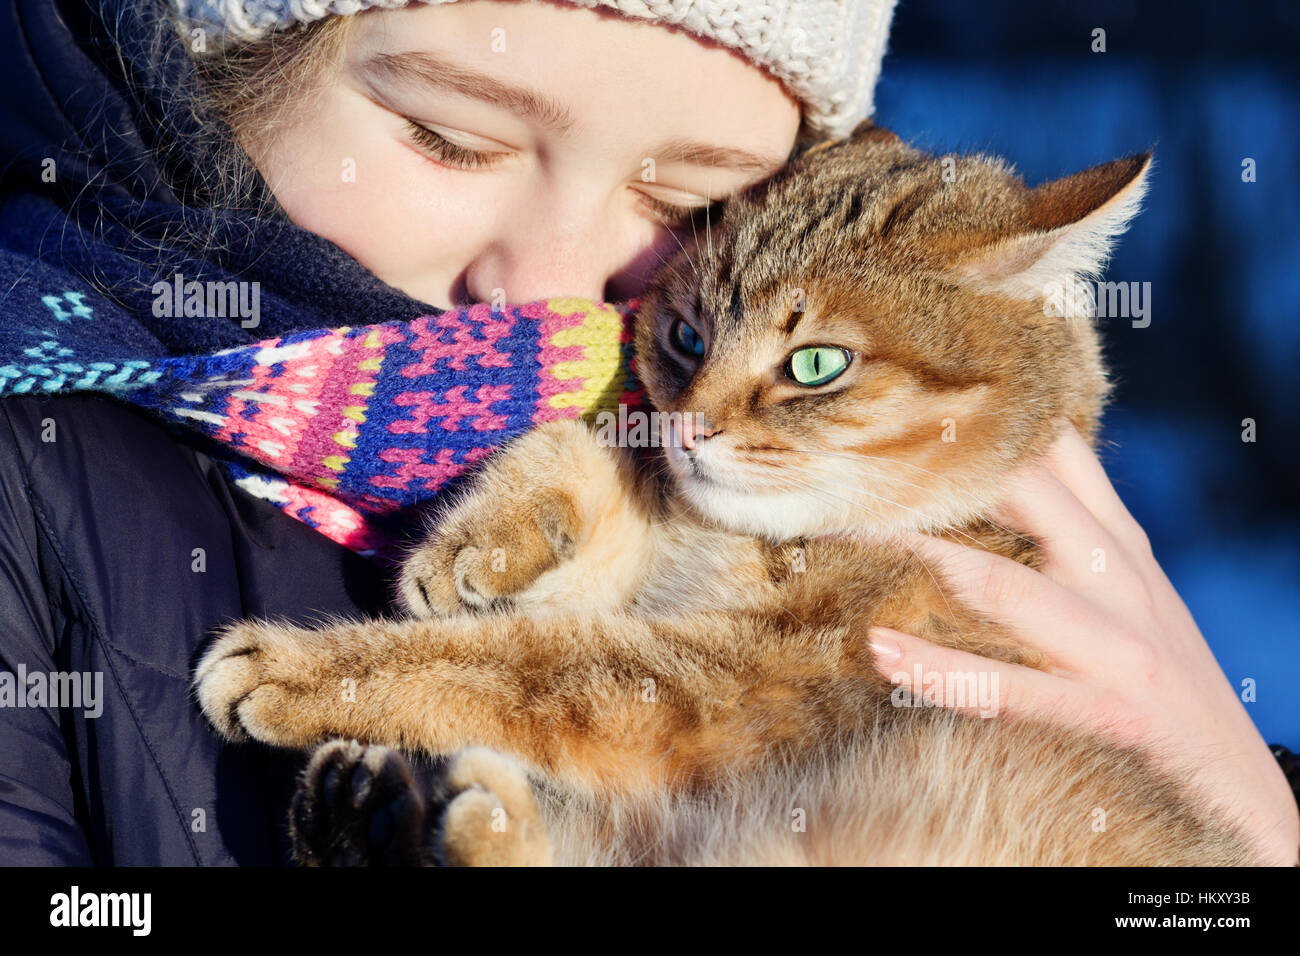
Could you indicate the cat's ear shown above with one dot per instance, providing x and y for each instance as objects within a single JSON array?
[
  {"x": 868, "y": 132},
  {"x": 1065, "y": 232},
  {"x": 865, "y": 132}
]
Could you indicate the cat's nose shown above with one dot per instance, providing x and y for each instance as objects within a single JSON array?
[{"x": 694, "y": 429}]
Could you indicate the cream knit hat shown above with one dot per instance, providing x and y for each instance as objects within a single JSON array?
[{"x": 826, "y": 52}]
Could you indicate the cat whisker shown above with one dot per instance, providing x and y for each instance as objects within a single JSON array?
[
  {"x": 908, "y": 464},
  {"x": 693, "y": 264},
  {"x": 947, "y": 528},
  {"x": 793, "y": 483},
  {"x": 882, "y": 476}
]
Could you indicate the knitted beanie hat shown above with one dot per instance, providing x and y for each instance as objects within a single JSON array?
[{"x": 826, "y": 52}]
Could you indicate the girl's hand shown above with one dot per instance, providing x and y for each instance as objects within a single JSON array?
[{"x": 1127, "y": 658}]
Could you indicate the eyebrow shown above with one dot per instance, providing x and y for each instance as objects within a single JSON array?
[{"x": 430, "y": 71}]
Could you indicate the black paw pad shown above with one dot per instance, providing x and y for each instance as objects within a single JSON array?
[{"x": 357, "y": 805}]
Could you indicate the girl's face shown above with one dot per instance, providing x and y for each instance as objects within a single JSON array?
[{"x": 507, "y": 152}]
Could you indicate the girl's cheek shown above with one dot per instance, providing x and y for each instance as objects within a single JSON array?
[{"x": 347, "y": 176}]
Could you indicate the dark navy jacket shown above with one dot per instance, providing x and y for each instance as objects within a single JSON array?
[{"x": 99, "y": 531}]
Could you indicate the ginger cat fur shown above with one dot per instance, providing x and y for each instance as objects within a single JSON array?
[{"x": 671, "y": 664}]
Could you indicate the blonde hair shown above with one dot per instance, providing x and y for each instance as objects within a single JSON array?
[{"x": 241, "y": 91}]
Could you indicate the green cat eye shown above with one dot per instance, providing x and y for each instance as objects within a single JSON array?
[
  {"x": 817, "y": 364},
  {"x": 686, "y": 339}
]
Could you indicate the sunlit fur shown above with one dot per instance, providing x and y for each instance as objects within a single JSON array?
[
  {"x": 675, "y": 651},
  {"x": 907, "y": 269}
]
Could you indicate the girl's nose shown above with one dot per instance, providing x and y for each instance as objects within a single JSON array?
[
  {"x": 568, "y": 246},
  {"x": 556, "y": 246},
  {"x": 529, "y": 282}
]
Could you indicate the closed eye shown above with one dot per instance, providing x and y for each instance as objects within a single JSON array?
[
  {"x": 445, "y": 151},
  {"x": 697, "y": 217}
]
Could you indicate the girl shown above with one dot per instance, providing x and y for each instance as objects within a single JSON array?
[{"x": 372, "y": 162}]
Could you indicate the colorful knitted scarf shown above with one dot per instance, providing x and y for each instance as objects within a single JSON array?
[
  {"x": 342, "y": 426},
  {"x": 342, "y": 400}
]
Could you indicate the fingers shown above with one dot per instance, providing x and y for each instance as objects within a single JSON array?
[
  {"x": 1075, "y": 464},
  {"x": 925, "y": 674},
  {"x": 1039, "y": 611},
  {"x": 1078, "y": 550},
  {"x": 1091, "y": 544}
]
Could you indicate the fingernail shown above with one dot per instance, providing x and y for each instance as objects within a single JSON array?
[{"x": 885, "y": 648}]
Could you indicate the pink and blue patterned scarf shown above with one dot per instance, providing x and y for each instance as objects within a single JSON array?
[{"x": 341, "y": 425}]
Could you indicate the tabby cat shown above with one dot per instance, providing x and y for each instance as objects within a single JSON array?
[{"x": 666, "y": 661}]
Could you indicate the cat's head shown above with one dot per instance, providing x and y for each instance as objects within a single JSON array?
[{"x": 875, "y": 338}]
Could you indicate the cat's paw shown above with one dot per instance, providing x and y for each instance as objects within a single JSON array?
[
  {"x": 490, "y": 816},
  {"x": 357, "y": 805},
  {"x": 486, "y": 554},
  {"x": 256, "y": 681}
]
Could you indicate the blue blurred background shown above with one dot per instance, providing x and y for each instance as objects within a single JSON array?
[{"x": 1208, "y": 85}]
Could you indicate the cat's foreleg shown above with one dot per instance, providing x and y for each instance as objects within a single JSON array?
[
  {"x": 598, "y": 701},
  {"x": 554, "y": 520}
]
